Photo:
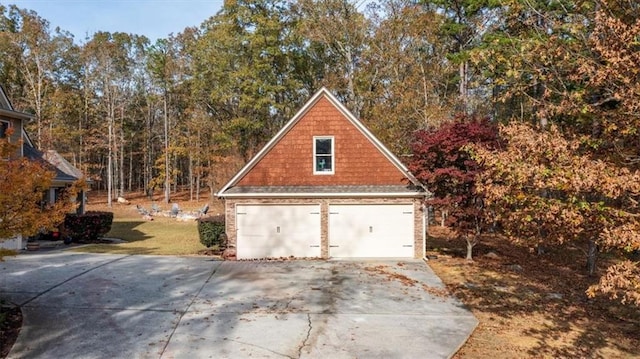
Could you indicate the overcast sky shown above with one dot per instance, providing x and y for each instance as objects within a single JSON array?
[{"x": 152, "y": 18}]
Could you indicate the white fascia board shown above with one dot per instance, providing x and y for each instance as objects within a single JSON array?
[
  {"x": 322, "y": 195},
  {"x": 26, "y": 138}
]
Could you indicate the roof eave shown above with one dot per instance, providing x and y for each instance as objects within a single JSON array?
[
  {"x": 325, "y": 195},
  {"x": 63, "y": 182},
  {"x": 16, "y": 114}
]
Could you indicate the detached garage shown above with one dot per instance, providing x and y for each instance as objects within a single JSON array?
[{"x": 324, "y": 187}]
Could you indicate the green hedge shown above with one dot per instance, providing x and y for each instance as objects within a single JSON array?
[
  {"x": 89, "y": 226},
  {"x": 210, "y": 230}
]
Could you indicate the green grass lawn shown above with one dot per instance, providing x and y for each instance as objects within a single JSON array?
[{"x": 162, "y": 236}]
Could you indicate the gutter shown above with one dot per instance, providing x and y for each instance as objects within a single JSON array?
[
  {"x": 425, "y": 223},
  {"x": 319, "y": 195}
]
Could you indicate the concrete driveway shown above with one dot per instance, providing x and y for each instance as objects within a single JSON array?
[{"x": 106, "y": 306}]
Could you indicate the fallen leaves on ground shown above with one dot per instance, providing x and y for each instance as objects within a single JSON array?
[
  {"x": 533, "y": 305},
  {"x": 10, "y": 325}
]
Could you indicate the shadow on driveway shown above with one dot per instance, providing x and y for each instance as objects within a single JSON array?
[{"x": 97, "y": 305}]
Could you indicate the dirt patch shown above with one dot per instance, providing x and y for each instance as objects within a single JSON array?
[
  {"x": 533, "y": 305},
  {"x": 10, "y": 325}
]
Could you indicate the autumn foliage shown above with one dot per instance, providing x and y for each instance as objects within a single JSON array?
[
  {"x": 545, "y": 190},
  {"x": 22, "y": 186},
  {"x": 442, "y": 162}
]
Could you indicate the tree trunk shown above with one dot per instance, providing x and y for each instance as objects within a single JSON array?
[
  {"x": 592, "y": 256},
  {"x": 130, "y": 184},
  {"x": 148, "y": 174},
  {"x": 443, "y": 215},
  {"x": 109, "y": 163},
  {"x": 121, "y": 160},
  {"x": 425, "y": 95},
  {"x": 115, "y": 158},
  {"x": 167, "y": 179},
  {"x": 176, "y": 184},
  {"x": 210, "y": 179},
  {"x": 198, "y": 167},
  {"x": 471, "y": 242},
  {"x": 191, "y": 182},
  {"x": 463, "y": 86}
]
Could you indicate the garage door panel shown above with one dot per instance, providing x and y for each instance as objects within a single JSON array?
[
  {"x": 267, "y": 231},
  {"x": 371, "y": 230}
]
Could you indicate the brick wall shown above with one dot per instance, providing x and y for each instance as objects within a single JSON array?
[
  {"x": 419, "y": 235},
  {"x": 290, "y": 161}
]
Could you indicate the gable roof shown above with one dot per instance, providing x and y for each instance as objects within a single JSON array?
[
  {"x": 228, "y": 189},
  {"x": 65, "y": 172},
  {"x": 4, "y": 100},
  {"x": 6, "y": 108}
]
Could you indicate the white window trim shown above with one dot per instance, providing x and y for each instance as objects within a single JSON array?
[{"x": 333, "y": 155}]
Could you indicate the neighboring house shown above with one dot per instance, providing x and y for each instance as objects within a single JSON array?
[
  {"x": 65, "y": 173},
  {"x": 9, "y": 118},
  {"x": 324, "y": 186}
]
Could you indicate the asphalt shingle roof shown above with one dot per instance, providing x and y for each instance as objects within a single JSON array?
[{"x": 65, "y": 171}]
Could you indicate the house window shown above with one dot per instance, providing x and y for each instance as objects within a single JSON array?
[
  {"x": 323, "y": 155},
  {"x": 4, "y": 126}
]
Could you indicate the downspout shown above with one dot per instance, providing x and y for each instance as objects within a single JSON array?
[{"x": 425, "y": 221}]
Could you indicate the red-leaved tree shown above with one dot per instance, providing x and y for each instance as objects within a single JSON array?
[{"x": 442, "y": 162}]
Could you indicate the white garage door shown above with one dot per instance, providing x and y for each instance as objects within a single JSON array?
[
  {"x": 371, "y": 230},
  {"x": 272, "y": 231}
]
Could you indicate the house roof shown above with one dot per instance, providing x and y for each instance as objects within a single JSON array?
[
  {"x": 65, "y": 172},
  {"x": 228, "y": 190},
  {"x": 65, "y": 169},
  {"x": 4, "y": 100},
  {"x": 6, "y": 108}
]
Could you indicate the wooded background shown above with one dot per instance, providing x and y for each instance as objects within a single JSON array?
[{"x": 187, "y": 111}]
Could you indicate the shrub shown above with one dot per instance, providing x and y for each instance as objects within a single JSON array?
[
  {"x": 6, "y": 253},
  {"x": 89, "y": 226},
  {"x": 210, "y": 230}
]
